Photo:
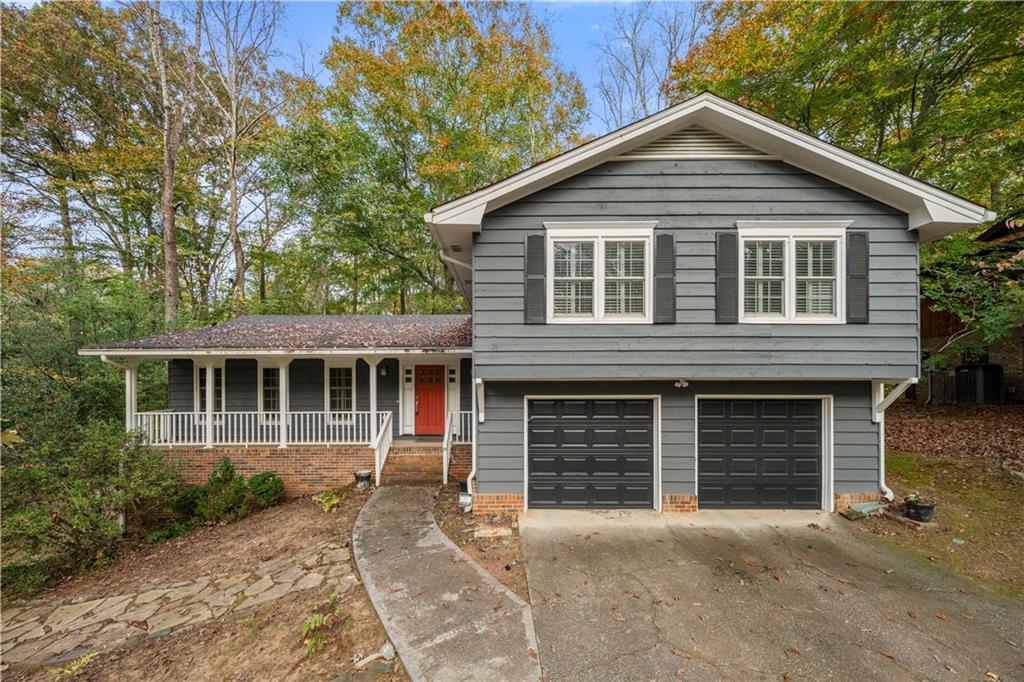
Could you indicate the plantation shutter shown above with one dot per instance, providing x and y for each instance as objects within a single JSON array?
[
  {"x": 727, "y": 278},
  {"x": 535, "y": 288},
  {"x": 857, "y": 277},
  {"x": 665, "y": 278}
]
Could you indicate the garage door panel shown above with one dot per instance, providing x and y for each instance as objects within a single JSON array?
[
  {"x": 590, "y": 453},
  {"x": 759, "y": 453}
]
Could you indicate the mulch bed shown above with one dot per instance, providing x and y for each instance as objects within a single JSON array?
[
  {"x": 502, "y": 557},
  {"x": 994, "y": 432}
]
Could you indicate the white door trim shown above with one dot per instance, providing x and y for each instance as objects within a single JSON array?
[
  {"x": 656, "y": 398},
  {"x": 827, "y": 437}
]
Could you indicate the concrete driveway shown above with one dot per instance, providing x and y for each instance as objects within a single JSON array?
[{"x": 638, "y": 596}]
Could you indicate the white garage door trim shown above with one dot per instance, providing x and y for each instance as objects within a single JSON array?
[
  {"x": 570, "y": 396},
  {"x": 828, "y": 501}
]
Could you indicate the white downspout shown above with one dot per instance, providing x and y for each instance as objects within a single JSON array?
[
  {"x": 879, "y": 403},
  {"x": 478, "y": 416}
]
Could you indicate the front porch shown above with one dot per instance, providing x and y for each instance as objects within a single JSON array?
[{"x": 283, "y": 395}]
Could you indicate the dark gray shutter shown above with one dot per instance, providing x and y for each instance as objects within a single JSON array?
[
  {"x": 665, "y": 278},
  {"x": 534, "y": 288},
  {"x": 857, "y": 277},
  {"x": 727, "y": 261}
]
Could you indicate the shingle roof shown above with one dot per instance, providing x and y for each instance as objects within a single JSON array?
[{"x": 287, "y": 332}]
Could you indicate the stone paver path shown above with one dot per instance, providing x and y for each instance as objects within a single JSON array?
[
  {"x": 40, "y": 632},
  {"x": 448, "y": 618}
]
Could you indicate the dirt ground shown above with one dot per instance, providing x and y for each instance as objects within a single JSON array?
[
  {"x": 502, "y": 557},
  {"x": 954, "y": 455},
  {"x": 263, "y": 644}
]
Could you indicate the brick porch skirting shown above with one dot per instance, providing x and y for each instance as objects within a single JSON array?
[
  {"x": 305, "y": 469},
  {"x": 844, "y": 500},
  {"x": 678, "y": 503},
  {"x": 461, "y": 462}
]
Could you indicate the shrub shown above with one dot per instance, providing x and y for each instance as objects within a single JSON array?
[
  {"x": 175, "y": 530},
  {"x": 225, "y": 497},
  {"x": 266, "y": 489},
  {"x": 63, "y": 501},
  {"x": 186, "y": 503}
]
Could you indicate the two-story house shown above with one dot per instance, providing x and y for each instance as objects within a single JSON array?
[{"x": 701, "y": 309}]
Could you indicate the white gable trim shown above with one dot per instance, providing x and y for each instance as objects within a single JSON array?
[{"x": 932, "y": 211}]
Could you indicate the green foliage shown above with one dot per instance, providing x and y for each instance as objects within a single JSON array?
[
  {"x": 312, "y": 633},
  {"x": 175, "y": 530},
  {"x": 62, "y": 501},
  {"x": 921, "y": 87},
  {"x": 979, "y": 284},
  {"x": 225, "y": 495},
  {"x": 329, "y": 499},
  {"x": 266, "y": 489},
  {"x": 186, "y": 502}
]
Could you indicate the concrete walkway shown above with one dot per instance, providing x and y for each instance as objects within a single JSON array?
[{"x": 447, "y": 617}]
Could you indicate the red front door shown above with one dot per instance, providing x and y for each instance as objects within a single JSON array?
[{"x": 430, "y": 400}]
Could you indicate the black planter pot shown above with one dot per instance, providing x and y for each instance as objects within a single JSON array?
[
  {"x": 922, "y": 510},
  {"x": 362, "y": 478}
]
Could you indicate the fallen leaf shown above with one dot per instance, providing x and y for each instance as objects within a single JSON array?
[
  {"x": 887, "y": 655},
  {"x": 679, "y": 672},
  {"x": 942, "y": 617},
  {"x": 993, "y": 676},
  {"x": 792, "y": 651}
]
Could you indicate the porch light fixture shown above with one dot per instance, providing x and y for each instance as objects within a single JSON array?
[{"x": 383, "y": 370}]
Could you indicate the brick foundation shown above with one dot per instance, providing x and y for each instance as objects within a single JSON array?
[
  {"x": 844, "y": 500},
  {"x": 678, "y": 503},
  {"x": 461, "y": 462},
  {"x": 502, "y": 503},
  {"x": 305, "y": 470}
]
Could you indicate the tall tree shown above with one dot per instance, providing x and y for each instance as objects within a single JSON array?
[
  {"x": 240, "y": 37},
  {"x": 177, "y": 82},
  {"x": 428, "y": 101},
  {"x": 637, "y": 51},
  {"x": 926, "y": 88}
]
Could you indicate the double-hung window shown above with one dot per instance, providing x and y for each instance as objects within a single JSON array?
[
  {"x": 339, "y": 389},
  {"x": 218, "y": 389},
  {"x": 599, "y": 272},
  {"x": 270, "y": 398},
  {"x": 792, "y": 271}
]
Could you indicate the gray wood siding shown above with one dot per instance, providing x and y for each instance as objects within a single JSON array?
[
  {"x": 240, "y": 387},
  {"x": 500, "y": 438},
  {"x": 695, "y": 199},
  {"x": 180, "y": 392},
  {"x": 306, "y": 386}
]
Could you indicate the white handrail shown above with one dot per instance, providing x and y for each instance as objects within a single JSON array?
[
  {"x": 381, "y": 446},
  {"x": 464, "y": 430}
]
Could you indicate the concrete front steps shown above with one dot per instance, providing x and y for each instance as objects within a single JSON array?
[{"x": 412, "y": 464}]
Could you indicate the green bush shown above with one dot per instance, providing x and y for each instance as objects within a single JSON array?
[
  {"x": 186, "y": 503},
  {"x": 266, "y": 489},
  {"x": 226, "y": 497},
  {"x": 63, "y": 502},
  {"x": 175, "y": 530}
]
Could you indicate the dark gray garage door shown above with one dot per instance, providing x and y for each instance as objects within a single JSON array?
[
  {"x": 759, "y": 453},
  {"x": 590, "y": 453}
]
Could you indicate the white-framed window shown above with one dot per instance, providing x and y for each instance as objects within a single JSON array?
[
  {"x": 792, "y": 271},
  {"x": 200, "y": 388},
  {"x": 339, "y": 387},
  {"x": 269, "y": 377},
  {"x": 599, "y": 271}
]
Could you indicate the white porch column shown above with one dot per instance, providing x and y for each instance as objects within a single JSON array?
[
  {"x": 282, "y": 425},
  {"x": 373, "y": 362},
  {"x": 209, "y": 403},
  {"x": 131, "y": 394}
]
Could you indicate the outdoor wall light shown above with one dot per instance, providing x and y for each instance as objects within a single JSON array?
[{"x": 383, "y": 370}]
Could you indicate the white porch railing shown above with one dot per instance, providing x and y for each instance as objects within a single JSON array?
[
  {"x": 463, "y": 427},
  {"x": 381, "y": 446},
  {"x": 259, "y": 428}
]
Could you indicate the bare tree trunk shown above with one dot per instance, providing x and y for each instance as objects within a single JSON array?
[
  {"x": 67, "y": 231},
  {"x": 236, "y": 240},
  {"x": 173, "y": 114}
]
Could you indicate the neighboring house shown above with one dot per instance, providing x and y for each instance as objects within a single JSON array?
[
  {"x": 696, "y": 310},
  {"x": 1002, "y": 367}
]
